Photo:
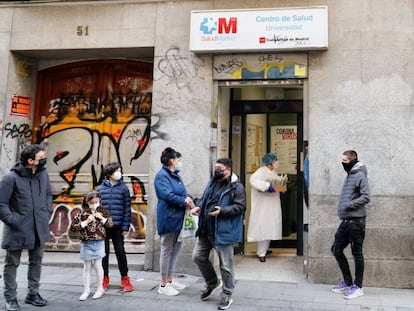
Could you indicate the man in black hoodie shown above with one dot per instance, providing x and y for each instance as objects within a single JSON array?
[
  {"x": 352, "y": 212},
  {"x": 25, "y": 207}
]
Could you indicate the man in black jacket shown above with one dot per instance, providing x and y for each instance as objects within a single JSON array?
[
  {"x": 25, "y": 207},
  {"x": 351, "y": 210}
]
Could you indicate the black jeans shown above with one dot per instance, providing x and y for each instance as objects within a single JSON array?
[
  {"x": 350, "y": 232},
  {"x": 115, "y": 233}
]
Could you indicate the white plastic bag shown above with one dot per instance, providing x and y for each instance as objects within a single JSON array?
[{"x": 190, "y": 226}]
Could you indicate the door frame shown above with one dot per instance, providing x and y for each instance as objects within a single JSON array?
[{"x": 245, "y": 107}]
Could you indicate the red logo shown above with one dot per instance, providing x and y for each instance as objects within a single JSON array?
[
  {"x": 262, "y": 40},
  {"x": 229, "y": 26}
]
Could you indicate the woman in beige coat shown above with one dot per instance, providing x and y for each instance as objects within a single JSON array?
[{"x": 265, "y": 222}]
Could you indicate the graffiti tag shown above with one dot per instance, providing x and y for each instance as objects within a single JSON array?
[
  {"x": 17, "y": 131},
  {"x": 229, "y": 66},
  {"x": 177, "y": 68}
]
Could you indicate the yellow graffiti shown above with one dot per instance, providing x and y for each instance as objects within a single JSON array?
[{"x": 264, "y": 69}]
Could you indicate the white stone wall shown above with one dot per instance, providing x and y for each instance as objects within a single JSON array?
[{"x": 359, "y": 95}]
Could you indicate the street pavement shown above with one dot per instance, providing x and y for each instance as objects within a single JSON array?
[{"x": 61, "y": 285}]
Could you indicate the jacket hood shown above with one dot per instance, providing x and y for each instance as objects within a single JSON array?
[
  {"x": 22, "y": 170},
  {"x": 106, "y": 182},
  {"x": 234, "y": 177},
  {"x": 359, "y": 167}
]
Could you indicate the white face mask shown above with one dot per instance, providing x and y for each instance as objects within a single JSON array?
[
  {"x": 117, "y": 175},
  {"x": 275, "y": 165},
  {"x": 94, "y": 206},
  {"x": 179, "y": 167}
]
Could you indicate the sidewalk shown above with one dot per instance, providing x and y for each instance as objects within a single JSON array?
[{"x": 62, "y": 285}]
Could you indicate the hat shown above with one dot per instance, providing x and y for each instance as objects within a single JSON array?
[{"x": 268, "y": 158}]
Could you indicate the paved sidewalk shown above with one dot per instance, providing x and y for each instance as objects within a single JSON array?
[{"x": 63, "y": 285}]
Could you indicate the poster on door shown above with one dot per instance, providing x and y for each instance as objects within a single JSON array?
[
  {"x": 283, "y": 139},
  {"x": 254, "y": 144}
]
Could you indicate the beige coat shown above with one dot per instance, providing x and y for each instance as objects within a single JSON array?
[{"x": 265, "y": 221}]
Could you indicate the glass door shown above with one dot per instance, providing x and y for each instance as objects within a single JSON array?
[{"x": 257, "y": 133}]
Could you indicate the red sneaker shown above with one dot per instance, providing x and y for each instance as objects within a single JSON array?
[
  {"x": 126, "y": 284},
  {"x": 105, "y": 282}
]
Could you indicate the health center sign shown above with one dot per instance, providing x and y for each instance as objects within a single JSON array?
[{"x": 259, "y": 30}]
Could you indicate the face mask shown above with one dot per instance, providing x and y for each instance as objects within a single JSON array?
[
  {"x": 42, "y": 162},
  {"x": 218, "y": 174},
  {"x": 349, "y": 166},
  {"x": 275, "y": 165},
  {"x": 117, "y": 175},
  {"x": 94, "y": 206},
  {"x": 179, "y": 167}
]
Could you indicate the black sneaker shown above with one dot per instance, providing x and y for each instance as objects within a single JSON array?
[
  {"x": 210, "y": 289},
  {"x": 36, "y": 300},
  {"x": 12, "y": 305},
  {"x": 224, "y": 303}
]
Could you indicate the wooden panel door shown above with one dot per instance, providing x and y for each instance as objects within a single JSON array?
[{"x": 88, "y": 114}]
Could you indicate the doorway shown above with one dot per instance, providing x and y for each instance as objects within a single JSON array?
[
  {"x": 259, "y": 127},
  {"x": 90, "y": 113}
]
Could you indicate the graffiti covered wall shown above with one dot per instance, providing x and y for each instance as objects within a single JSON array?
[{"x": 89, "y": 114}]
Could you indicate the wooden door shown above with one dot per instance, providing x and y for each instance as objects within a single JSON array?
[{"x": 88, "y": 114}]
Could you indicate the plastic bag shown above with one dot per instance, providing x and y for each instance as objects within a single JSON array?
[{"x": 190, "y": 226}]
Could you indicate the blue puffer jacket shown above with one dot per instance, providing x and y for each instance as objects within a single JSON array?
[
  {"x": 355, "y": 193},
  {"x": 116, "y": 199},
  {"x": 229, "y": 223},
  {"x": 171, "y": 194}
]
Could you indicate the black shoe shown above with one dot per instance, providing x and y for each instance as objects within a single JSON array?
[
  {"x": 262, "y": 259},
  {"x": 36, "y": 300},
  {"x": 210, "y": 289},
  {"x": 268, "y": 252},
  {"x": 12, "y": 305}
]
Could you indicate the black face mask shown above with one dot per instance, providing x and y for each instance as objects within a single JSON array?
[
  {"x": 218, "y": 174},
  {"x": 349, "y": 166},
  {"x": 42, "y": 163}
]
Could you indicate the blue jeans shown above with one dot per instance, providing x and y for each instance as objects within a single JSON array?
[
  {"x": 12, "y": 261},
  {"x": 350, "y": 232},
  {"x": 201, "y": 254}
]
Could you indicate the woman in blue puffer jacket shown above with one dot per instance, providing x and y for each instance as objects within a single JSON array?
[{"x": 172, "y": 202}]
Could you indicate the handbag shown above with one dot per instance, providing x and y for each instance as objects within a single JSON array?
[{"x": 190, "y": 226}]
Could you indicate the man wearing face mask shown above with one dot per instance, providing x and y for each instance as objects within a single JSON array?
[
  {"x": 352, "y": 212},
  {"x": 220, "y": 212},
  {"x": 265, "y": 220},
  {"x": 25, "y": 208},
  {"x": 116, "y": 199}
]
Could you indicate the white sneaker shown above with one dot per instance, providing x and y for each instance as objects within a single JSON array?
[
  {"x": 84, "y": 296},
  {"x": 168, "y": 290},
  {"x": 98, "y": 294},
  {"x": 177, "y": 285}
]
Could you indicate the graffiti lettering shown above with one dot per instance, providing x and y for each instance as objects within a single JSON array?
[
  {"x": 18, "y": 131},
  {"x": 229, "y": 66},
  {"x": 270, "y": 58},
  {"x": 176, "y": 68},
  {"x": 134, "y": 134}
]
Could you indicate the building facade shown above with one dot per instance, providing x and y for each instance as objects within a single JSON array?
[{"x": 100, "y": 81}]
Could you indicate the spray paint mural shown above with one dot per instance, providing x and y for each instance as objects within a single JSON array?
[{"x": 93, "y": 113}]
